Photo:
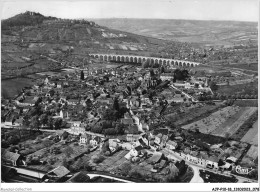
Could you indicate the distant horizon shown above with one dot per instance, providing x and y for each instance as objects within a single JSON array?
[
  {"x": 135, "y": 18},
  {"x": 201, "y": 10}
]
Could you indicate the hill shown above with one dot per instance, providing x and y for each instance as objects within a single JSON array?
[
  {"x": 192, "y": 31},
  {"x": 24, "y": 19}
]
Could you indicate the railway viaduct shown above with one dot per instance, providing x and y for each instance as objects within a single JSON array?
[{"x": 141, "y": 59}]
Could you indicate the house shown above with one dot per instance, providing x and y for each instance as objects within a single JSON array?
[
  {"x": 10, "y": 158},
  {"x": 18, "y": 122},
  {"x": 75, "y": 123},
  {"x": 156, "y": 158},
  {"x": 128, "y": 121},
  {"x": 59, "y": 172},
  {"x": 132, "y": 129},
  {"x": 9, "y": 121},
  {"x": 231, "y": 160},
  {"x": 72, "y": 101},
  {"x": 62, "y": 134},
  {"x": 132, "y": 137},
  {"x": 59, "y": 85},
  {"x": 84, "y": 139},
  {"x": 134, "y": 152},
  {"x": 76, "y": 130},
  {"x": 95, "y": 140},
  {"x": 171, "y": 145}
]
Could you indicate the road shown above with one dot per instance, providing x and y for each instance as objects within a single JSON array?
[
  {"x": 92, "y": 175},
  {"x": 196, "y": 169}
]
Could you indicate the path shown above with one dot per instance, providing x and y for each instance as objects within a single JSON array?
[
  {"x": 187, "y": 95},
  {"x": 92, "y": 175},
  {"x": 196, "y": 169}
]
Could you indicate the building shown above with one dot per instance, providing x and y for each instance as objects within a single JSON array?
[
  {"x": 58, "y": 173},
  {"x": 10, "y": 158}
]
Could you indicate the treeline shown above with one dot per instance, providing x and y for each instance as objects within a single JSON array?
[{"x": 24, "y": 19}]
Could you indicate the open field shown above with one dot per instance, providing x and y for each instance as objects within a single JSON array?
[
  {"x": 203, "y": 32},
  {"x": 242, "y": 89},
  {"x": 233, "y": 123},
  {"x": 250, "y": 159},
  {"x": 210, "y": 123},
  {"x": 193, "y": 114},
  {"x": 57, "y": 159},
  {"x": 246, "y": 126},
  {"x": 228, "y": 120},
  {"x": 253, "y": 67},
  {"x": 11, "y": 87},
  {"x": 246, "y": 103},
  {"x": 252, "y": 135}
]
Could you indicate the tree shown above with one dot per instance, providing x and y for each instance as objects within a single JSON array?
[
  {"x": 82, "y": 75},
  {"x": 125, "y": 168},
  {"x": 35, "y": 123},
  {"x": 116, "y": 104},
  {"x": 57, "y": 123},
  {"x": 213, "y": 85},
  {"x": 46, "y": 143},
  {"x": 50, "y": 122},
  {"x": 43, "y": 119},
  {"x": 51, "y": 92},
  {"x": 120, "y": 128},
  {"x": 174, "y": 172},
  {"x": 146, "y": 64}
]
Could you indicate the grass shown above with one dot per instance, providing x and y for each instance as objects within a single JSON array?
[
  {"x": 246, "y": 103},
  {"x": 210, "y": 177},
  {"x": 192, "y": 115},
  {"x": 252, "y": 135},
  {"x": 253, "y": 67},
  {"x": 234, "y": 122},
  {"x": 242, "y": 89},
  {"x": 11, "y": 87},
  {"x": 239, "y": 134}
]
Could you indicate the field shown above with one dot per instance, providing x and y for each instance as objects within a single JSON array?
[
  {"x": 251, "y": 136},
  {"x": 253, "y": 67},
  {"x": 212, "y": 122},
  {"x": 227, "y": 120},
  {"x": 247, "y": 103},
  {"x": 210, "y": 32},
  {"x": 11, "y": 87},
  {"x": 192, "y": 114},
  {"x": 233, "y": 123},
  {"x": 57, "y": 159},
  {"x": 250, "y": 159},
  {"x": 242, "y": 89}
]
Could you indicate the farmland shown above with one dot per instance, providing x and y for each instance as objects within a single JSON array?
[
  {"x": 225, "y": 121},
  {"x": 12, "y": 87},
  {"x": 246, "y": 103},
  {"x": 251, "y": 136},
  {"x": 181, "y": 117},
  {"x": 210, "y": 123},
  {"x": 250, "y": 159},
  {"x": 241, "y": 89}
]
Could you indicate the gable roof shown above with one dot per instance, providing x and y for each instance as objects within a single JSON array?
[
  {"x": 127, "y": 121},
  {"x": 7, "y": 155},
  {"x": 60, "y": 171}
]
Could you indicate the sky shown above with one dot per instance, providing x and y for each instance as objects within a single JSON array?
[{"x": 239, "y": 10}]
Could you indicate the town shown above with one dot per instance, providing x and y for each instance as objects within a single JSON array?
[{"x": 125, "y": 117}]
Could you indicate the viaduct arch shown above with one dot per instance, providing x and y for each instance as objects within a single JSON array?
[{"x": 140, "y": 59}]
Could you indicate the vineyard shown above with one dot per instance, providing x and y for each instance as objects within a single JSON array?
[{"x": 231, "y": 121}]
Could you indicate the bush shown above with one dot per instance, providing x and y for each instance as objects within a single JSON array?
[
  {"x": 135, "y": 174},
  {"x": 98, "y": 159},
  {"x": 125, "y": 168}
]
